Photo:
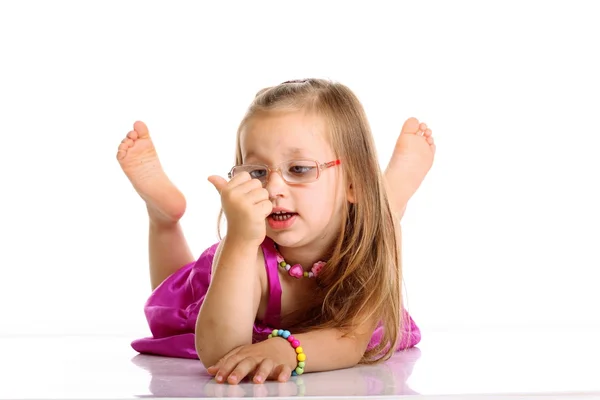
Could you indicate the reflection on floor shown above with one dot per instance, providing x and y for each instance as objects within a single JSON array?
[
  {"x": 187, "y": 378},
  {"x": 490, "y": 364}
]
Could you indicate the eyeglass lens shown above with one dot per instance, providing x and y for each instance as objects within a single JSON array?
[{"x": 295, "y": 171}]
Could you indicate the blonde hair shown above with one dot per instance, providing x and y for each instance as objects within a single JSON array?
[{"x": 361, "y": 282}]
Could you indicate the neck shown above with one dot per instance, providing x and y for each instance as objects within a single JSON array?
[{"x": 306, "y": 255}]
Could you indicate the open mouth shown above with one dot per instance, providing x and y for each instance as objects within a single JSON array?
[{"x": 282, "y": 216}]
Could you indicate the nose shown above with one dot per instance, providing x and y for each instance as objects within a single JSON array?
[{"x": 275, "y": 184}]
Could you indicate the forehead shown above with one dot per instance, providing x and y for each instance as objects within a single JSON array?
[{"x": 276, "y": 136}]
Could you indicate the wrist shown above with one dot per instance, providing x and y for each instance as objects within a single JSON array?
[
  {"x": 287, "y": 354},
  {"x": 241, "y": 244},
  {"x": 291, "y": 350}
]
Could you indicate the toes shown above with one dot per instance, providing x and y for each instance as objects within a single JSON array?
[
  {"x": 423, "y": 126},
  {"x": 127, "y": 142},
  {"x": 410, "y": 126},
  {"x": 427, "y": 133},
  {"x": 123, "y": 147},
  {"x": 430, "y": 140},
  {"x": 433, "y": 148},
  {"x": 133, "y": 135},
  {"x": 141, "y": 129}
]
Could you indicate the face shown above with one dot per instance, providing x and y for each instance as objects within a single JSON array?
[{"x": 315, "y": 208}]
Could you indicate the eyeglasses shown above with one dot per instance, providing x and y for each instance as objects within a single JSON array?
[{"x": 293, "y": 172}]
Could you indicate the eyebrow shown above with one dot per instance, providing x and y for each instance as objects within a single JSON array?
[{"x": 292, "y": 151}]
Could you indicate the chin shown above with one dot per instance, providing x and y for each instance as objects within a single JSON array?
[{"x": 285, "y": 238}]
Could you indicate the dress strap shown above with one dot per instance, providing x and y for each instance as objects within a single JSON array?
[{"x": 273, "y": 313}]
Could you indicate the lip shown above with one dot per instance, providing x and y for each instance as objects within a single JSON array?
[
  {"x": 280, "y": 209},
  {"x": 281, "y": 225}
]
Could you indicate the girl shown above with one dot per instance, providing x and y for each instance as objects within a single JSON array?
[{"x": 311, "y": 257}]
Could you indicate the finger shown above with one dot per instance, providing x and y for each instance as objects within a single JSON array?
[
  {"x": 245, "y": 186},
  {"x": 212, "y": 370},
  {"x": 241, "y": 370},
  {"x": 263, "y": 371},
  {"x": 218, "y": 182},
  {"x": 226, "y": 367},
  {"x": 266, "y": 207},
  {"x": 281, "y": 373},
  {"x": 244, "y": 177},
  {"x": 217, "y": 366},
  {"x": 285, "y": 374},
  {"x": 255, "y": 196},
  {"x": 239, "y": 185}
]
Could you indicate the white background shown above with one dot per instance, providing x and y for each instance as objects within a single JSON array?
[{"x": 503, "y": 232}]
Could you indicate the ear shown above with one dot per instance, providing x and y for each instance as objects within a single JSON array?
[{"x": 350, "y": 196}]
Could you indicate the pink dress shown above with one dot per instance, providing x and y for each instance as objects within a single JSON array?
[{"x": 173, "y": 307}]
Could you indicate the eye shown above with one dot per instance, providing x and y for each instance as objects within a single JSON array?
[
  {"x": 299, "y": 169},
  {"x": 258, "y": 173}
]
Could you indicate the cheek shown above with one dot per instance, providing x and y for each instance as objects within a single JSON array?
[
  {"x": 321, "y": 203},
  {"x": 313, "y": 202}
]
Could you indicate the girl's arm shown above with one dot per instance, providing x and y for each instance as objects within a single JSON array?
[
  {"x": 275, "y": 358},
  {"x": 226, "y": 318},
  {"x": 230, "y": 306},
  {"x": 331, "y": 349}
]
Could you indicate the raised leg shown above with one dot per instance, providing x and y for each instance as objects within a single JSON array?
[
  {"x": 410, "y": 162},
  {"x": 167, "y": 246}
]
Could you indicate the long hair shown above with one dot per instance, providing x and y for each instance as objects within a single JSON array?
[{"x": 361, "y": 281}]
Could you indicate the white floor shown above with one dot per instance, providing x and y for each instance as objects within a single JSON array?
[{"x": 474, "y": 364}]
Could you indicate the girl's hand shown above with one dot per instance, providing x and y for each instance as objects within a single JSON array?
[
  {"x": 246, "y": 204},
  {"x": 273, "y": 359}
]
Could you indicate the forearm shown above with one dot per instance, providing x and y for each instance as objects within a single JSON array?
[
  {"x": 329, "y": 349},
  {"x": 224, "y": 321}
]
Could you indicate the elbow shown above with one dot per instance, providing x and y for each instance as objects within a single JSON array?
[
  {"x": 361, "y": 348},
  {"x": 205, "y": 349},
  {"x": 355, "y": 355},
  {"x": 208, "y": 362},
  {"x": 351, "y": 360},
  {"x": 210, "y": 347},
  {"x": 357, "y": 358},
  {"x": 210, "y": 353},
  {"x": 207, "y": 358}
]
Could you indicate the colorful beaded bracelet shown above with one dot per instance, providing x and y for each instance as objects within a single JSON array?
[{"x": 300, "y": 356}]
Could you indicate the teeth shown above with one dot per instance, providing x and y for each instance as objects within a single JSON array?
[{"x": 280, "y": 217}]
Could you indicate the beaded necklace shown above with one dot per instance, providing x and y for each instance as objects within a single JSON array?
[{"x": 296, "y": 270}]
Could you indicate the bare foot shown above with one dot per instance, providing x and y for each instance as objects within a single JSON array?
[
  {"x": 411, "y": 161},
  {"x": 140, "y": 163}
]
